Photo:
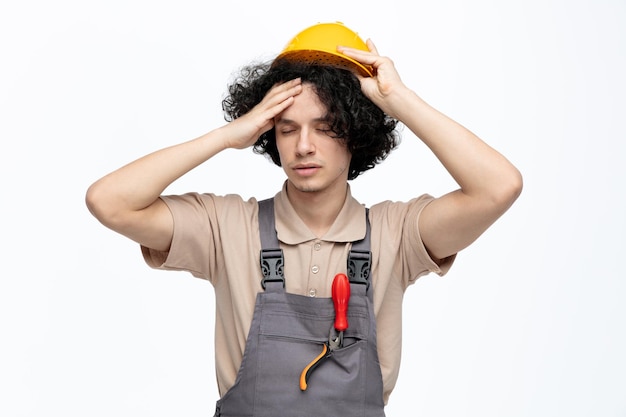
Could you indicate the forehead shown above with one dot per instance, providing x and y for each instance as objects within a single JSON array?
[{"x": 306, "y": 106}]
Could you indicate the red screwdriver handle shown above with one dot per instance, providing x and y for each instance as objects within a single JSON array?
[{"x": 341, "y": 296}]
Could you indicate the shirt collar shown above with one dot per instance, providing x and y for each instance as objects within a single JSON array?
[{"x": 349, "y": 225}]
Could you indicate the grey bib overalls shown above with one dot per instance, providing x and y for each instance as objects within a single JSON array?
[{"x": 289, "y": 331}]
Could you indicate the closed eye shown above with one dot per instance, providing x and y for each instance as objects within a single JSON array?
[{"x": 328, "y": 132}]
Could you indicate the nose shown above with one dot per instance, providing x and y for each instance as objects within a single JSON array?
[{"x": 305, "y": 145}]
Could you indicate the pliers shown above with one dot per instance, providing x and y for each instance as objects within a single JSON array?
[{"x": 341, "y": 297}]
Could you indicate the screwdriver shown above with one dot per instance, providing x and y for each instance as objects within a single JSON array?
[{"x": 341, "y": 297}]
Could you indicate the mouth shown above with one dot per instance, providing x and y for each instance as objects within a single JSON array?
[{"x": 306, "y": 170}]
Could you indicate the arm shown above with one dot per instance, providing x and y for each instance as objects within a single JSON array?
[
  {"x": 489, "y": 183},
  {"x": 127, "y": 200}
]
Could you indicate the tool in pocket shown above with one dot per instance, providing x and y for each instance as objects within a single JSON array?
[{"x": 341, "y": 298}]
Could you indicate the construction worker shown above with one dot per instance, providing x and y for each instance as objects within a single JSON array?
[{"x": 325, "y": 110}]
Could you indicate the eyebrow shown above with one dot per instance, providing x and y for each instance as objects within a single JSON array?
[{"x": 285, "y": 121}]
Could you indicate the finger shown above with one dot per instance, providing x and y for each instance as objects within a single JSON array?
[
  {"x": 290, "y": 84},
  {"x": 278, "y": 98},
  {"x": 281, "y": 92},
  {"x": 371, "y": 46},
  {"x": 364, "y": 57},
  {"x": 280, "y": 95}
]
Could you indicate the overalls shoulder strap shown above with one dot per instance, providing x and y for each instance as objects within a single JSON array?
[
  {"x": 272, "y": 259},
  {"x": 360, "y": 258}
]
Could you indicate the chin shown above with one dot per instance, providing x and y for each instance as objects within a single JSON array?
[{"x": 305, "y": 186}]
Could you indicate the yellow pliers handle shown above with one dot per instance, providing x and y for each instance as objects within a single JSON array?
[{"x": 308, "y": 370}]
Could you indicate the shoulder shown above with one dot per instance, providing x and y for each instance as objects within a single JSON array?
[
  {"x": 197, "y": 213},
  {"x": 209, "y": 203},
  {"x": 396, "y": 240},
  {"x": 399, "y": 211},
  {"x": 209, "y": 232},
  {"x": 399, "y": 219}
]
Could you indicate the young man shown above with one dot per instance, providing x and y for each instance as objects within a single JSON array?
[{"x": 324, "y": 125}]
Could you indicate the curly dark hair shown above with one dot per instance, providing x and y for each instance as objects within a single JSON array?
[{"x": 368, "y": 132}]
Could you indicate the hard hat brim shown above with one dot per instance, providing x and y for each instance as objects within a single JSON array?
[
  {"x": 325, "y": 58},
  {"x": 318, "y": 45}
]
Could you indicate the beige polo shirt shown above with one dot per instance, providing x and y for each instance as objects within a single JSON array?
[{"x": 217, "y": 238}]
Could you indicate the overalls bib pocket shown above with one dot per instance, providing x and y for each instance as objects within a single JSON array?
[{"x": 293, "y": 331}]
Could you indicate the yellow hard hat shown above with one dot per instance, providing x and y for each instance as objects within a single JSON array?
[{"x": 318, "y": 44}]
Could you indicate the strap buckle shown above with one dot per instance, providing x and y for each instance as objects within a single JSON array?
[
  {"x": 359, "y": 264},
  {"x": 272, "y": 266}
]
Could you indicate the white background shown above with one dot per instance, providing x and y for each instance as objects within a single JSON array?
[{"x": 531, "y": 321}]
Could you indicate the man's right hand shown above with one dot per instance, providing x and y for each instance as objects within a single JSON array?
[{"x": 244, "y": 131}]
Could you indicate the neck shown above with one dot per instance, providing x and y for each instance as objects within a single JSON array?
[{"x": 318, "y": 210}]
